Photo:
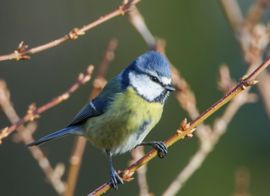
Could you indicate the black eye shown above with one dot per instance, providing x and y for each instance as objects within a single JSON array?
[{"x": 154, "y": 78}]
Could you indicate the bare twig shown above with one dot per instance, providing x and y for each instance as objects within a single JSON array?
[
  {"x": 208, "y": 137},
  {"x": 34, "y": 112},
  {"x": 208, "y": 143},
  {"x": 137, "y": 21},
  {"x": 253, "y": 49},
  {"x": 80, "y": 142},
  {"x": 235, "y": 15},
  {"x": 184, "y": 95},
  {"x": 22, "y": 52},
  {"x": 24, "y": 135},
  {"x": 188, "y": 128},
  {"x": 136, "y": 154},
  {"x": 225, "y": 82},
  {"x": 187, "y": 101},
  {"x": 253, "y": 39},
  {"x": 256, "y": 12},
  {"x": 183, "y": 92}
]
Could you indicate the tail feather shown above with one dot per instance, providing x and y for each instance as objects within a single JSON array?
[{"x": 57, "y": 134}]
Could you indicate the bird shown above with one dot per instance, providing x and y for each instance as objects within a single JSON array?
[{"x": 126, "y": 110}]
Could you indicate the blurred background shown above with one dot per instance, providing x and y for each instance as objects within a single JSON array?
[{"x": 199, "y": 39}]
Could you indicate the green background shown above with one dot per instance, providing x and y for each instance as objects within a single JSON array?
[{"x": 199, "y": 40}]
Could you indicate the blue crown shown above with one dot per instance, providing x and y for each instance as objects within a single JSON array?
[
  {"x": 147, "y": 62},
  {"x": 152, "y": 61}
]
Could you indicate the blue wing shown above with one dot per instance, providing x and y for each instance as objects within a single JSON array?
[
  {"x": 93, "y": 108},
  {"x": 98, "y": 105},
  {"x": 56, "y": 134}
]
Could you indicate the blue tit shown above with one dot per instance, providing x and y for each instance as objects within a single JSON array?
[{"x": 127, "y": 109}]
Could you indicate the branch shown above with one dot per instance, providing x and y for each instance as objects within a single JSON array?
[
  {"x": 80, "y": 142},
  {"x": 183, "y": 93},
  {"x": 187, "y": 101},
  {"x": 137, "y": 21},
  {"x": 188, "y": 128},
  {"x": 233, "y": 13},
  {"x": 256, "y": 12},
  {"x": 23, "y": 53},
  {"x": 25, "y": 135},
  {"x": 207, "y": 144},
  {"x": 34, "y": 112},
  {"x": 253, "y": 39},
  {"x": 136, "y": 154}
]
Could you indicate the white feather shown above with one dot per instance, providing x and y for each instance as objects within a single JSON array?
[
  {"x": 166, "y": 81},
  {"x": 145, "y": 86},
  {"x": 131, "y": 142}
]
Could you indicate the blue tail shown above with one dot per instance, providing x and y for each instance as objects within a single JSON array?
[{"x": 57, "y": 134}]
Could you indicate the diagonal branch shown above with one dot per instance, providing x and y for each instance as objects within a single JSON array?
[
  {"x": 23, "y": 53},
  {"x": 136, "y": 154},
  {"x": 253, "y": 39},
  {"x": 208, "y": 144},
  {"x": 25, "y": 135},
  {"x": 34, "y": 112},
  {"x": 188, "y": 128},
  {"x": 183, "y": 93},
  {"x": 234, "y": 15}
]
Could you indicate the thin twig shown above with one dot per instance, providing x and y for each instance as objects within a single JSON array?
[
  {"x": 208, "y": 136},
  {"x": 187, "y": 101},
  {"x": 253, "y": 39},
  {"x": 34, "y": 112},
  {"x": 225, "y": 82},
  {"x": 23, "y": 53},
  {"x": 256, "y": 12},
  {"x": 80, "y": 142},
  {"x": 253, "y": 48},
  {"x": 183, "y": 92},
  {"x": 208, "y": 144},
  {"x": 188, "y": 128},
  {"x": 136, "y": 154},
  {"x": 137, "y": 21},
  {"x": 25, "y": 135},
  {"x": 234, "y": 15}
]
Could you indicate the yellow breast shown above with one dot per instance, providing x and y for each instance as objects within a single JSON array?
[{"x": 127, "y": 116}]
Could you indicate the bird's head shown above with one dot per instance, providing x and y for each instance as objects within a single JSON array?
[{"x": 150, "y": 76}]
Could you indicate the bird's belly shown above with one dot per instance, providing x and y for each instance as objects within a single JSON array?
[{"x": 125, "y": 124}]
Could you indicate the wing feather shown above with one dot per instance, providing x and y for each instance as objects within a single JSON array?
[{"x": 98, "y": 105}]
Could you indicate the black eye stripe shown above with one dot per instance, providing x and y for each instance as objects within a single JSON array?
[{"x": 154, "y": 78}]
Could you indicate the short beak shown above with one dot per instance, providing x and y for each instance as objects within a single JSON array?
[{"x": 169, "y": 87}]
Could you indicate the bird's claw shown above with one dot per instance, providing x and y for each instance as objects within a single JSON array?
[
  {"x": 115, "y": 179},
  {"x": 160, "y": 148}
]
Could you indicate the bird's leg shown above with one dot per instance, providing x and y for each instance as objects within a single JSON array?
[
  {"x": 159, "y": 146},
  {"x": 115, "y": 179}
]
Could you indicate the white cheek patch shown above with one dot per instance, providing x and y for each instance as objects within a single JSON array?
[
  {"x": 166, "y": 80},
  {"x": 145, "y": 86}
]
